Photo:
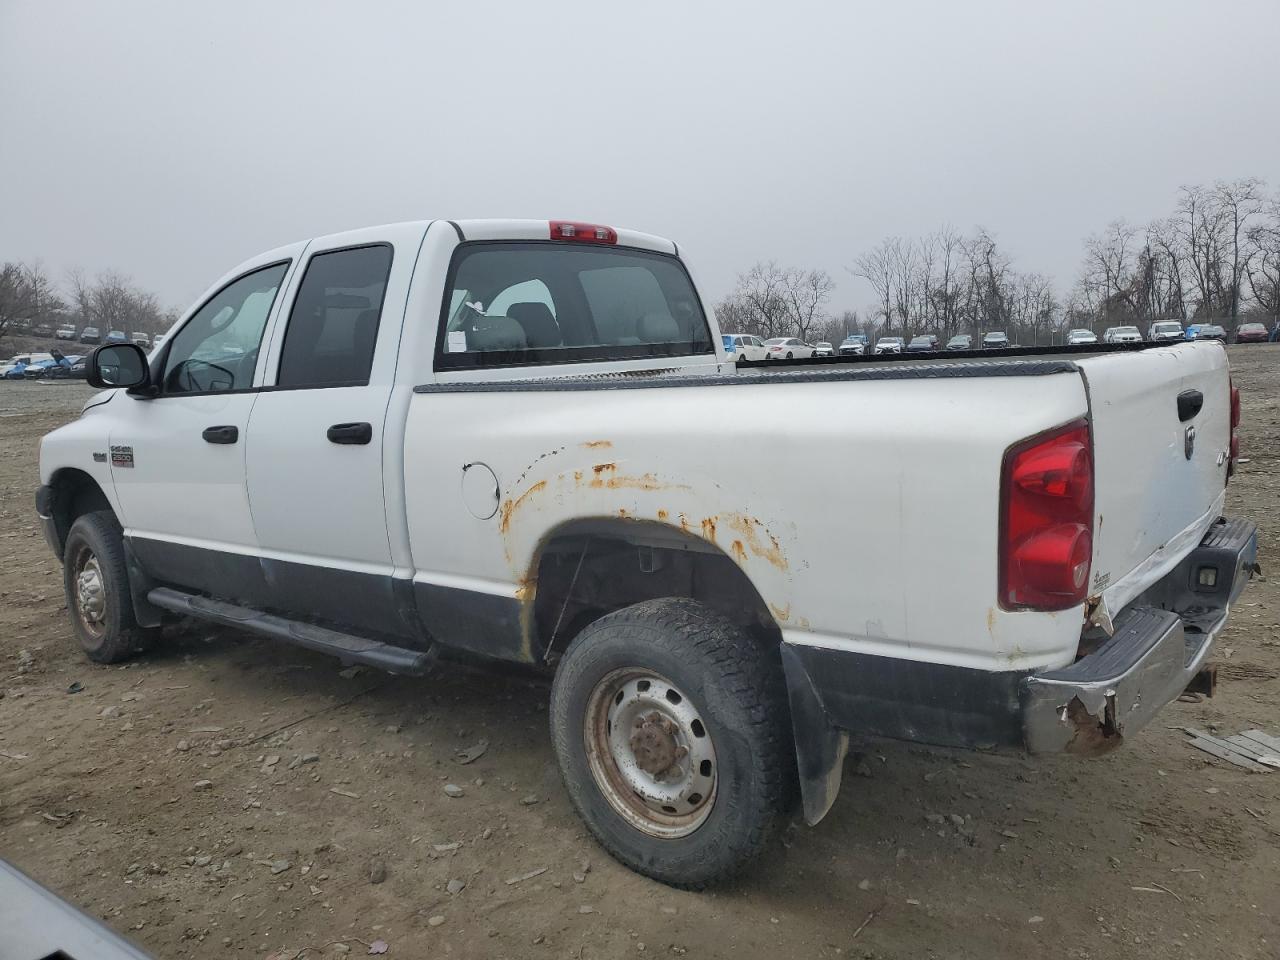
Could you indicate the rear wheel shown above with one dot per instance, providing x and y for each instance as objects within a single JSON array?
[
  {"x": 97, "y": 586},
  {"x": 790, "y": 356},
  {"x": 670, "y": 726}
]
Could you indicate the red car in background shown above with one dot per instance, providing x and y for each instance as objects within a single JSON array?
[{"x": 1251, "y": 333}]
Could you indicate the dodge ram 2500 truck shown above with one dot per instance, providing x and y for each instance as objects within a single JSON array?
[{"x": 522, "y": 440}]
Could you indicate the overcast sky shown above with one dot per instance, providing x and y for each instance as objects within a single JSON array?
[{"x": 171, "y": 140}]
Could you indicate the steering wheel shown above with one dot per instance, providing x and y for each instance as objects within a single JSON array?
[{"x": 184, "y": 375}]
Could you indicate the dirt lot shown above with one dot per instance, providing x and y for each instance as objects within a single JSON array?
[{"x": 317, "y": 777}]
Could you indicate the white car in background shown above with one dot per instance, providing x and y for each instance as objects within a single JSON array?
[
  {"x": 788, "y": 348},
  {"x": 1076, "y": 337},
  {"x": 743, "y": 346},
  {"x": 1166, "y": 330},
  {"x": 890, "y": 345},
  {"x": 1121, "y": 335},
  {"x": 823, "y": 349}
]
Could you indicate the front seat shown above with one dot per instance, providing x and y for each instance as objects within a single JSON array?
[
  {"x": 540, "y": 327},
  {"x": 658, "y": 328}
]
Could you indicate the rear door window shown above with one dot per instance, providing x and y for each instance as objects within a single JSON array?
[
  {"x": 333, "y": 325},
  {"x": 539, "y": 302}
]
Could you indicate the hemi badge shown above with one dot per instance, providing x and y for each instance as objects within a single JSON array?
[{"x": 99, "y": 457}]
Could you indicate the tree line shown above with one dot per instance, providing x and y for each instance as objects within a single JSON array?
[
  {"x": 29, "y": 299},
  {"x": 1215, "y": 257}
]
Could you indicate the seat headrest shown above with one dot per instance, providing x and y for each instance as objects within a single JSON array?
[
  {"x": 540, "y": 327},
  {"x": 496, "y": 333},
  {"x": 658, "y": 328}
]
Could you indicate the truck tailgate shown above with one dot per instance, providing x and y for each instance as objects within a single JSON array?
[{"x": 1160, "y": 466}]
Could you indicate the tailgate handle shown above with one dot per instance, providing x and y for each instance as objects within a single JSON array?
[{"x": 1189, "y": 404}]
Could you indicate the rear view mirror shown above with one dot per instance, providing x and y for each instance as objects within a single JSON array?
[{"x": 118, "y": 365}]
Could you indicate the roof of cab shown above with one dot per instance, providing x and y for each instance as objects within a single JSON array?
[{"x": 498, "y": 229}]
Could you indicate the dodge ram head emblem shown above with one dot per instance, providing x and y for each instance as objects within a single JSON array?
[{"x": 1189, "y": 442}]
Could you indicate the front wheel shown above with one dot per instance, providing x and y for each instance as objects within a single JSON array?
[
  {"x": 670, "y": 726},
  {"x": 97, "y": 586},
  {"x": 790, "y": 356}
]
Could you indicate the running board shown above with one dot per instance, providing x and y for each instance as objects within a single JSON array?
[{"x": 354, "y": 649}]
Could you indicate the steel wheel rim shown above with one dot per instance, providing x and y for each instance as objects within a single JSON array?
[
  {"x": 650, "y": 753},
  {"x": 90, "y": 593}
]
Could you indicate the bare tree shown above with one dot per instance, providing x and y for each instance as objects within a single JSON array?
[
  {"x": 876, "y": 267},
  {"x": 16, "y": 299},
  {"x": 807, "y": 293}
]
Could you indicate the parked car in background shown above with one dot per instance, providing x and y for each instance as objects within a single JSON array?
[
  {"x": 890, "y": 345},
  {"x": 41, "y": 370},
  {"x": 788, "y": 348},
  {"x": 61, "y": 369},
  {"x": 16, "y": 369},
  {"x": 995, "y": 340},
  {"x": 117, "y": 336},
  {"x": 961, "y": 341},
  {"x": 922, "y": 343},
  {"x": 142, "y": 340},
  {"x": 1211, "y": 331},
  {"x": 1121, "y": 335},
  {"x": 1081, "y": 335},
  {"x": 823, "y": 349},
  {"x": 90, "y": 335},
  {"x": 79, "y": 369},
  {"x": 65, "y": 332},
  {"x": 1252, "y": 333},
  {"x": 854, "y": 345},
  {"x": 18, "y": 359},
  {"x": 739, "y": 346},
  {"x": 1165, "y": 330},
  {"x": 43, "y": 330},
  {"x": 1192, "y": 330}
]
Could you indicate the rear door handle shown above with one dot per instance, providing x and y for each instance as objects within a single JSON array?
[
  {"x": 221, "y": 434},
  {"x": 360, "y": 433}
]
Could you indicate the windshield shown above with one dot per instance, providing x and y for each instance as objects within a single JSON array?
[
  {"x": 1168, "y": 328},
  {"x": 1126, "y": 329},
  {"x": 775, "y": 341},
  {"x": 530, "y": 302}
]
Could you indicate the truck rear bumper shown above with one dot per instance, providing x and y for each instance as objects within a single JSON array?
[{"x": 1160, "y": 642}]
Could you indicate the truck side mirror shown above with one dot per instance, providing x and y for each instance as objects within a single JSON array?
[{"x": 118, "y": 365}]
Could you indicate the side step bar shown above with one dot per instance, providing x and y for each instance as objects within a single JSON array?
[{"x": 371, "y": 653}]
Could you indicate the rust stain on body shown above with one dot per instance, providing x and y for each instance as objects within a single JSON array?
[
  {"x": 598, "y": 444},
  {"x": 781, "y": 614},
  {"x": 751, "y": 530},
  {"x": 709, "y": 528},
  {"x": 739, "y": 552},
  {"x": 509, "y": 507}
]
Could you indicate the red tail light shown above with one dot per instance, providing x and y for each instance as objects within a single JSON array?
[
  {"x": 582, "y": 232},
  {"x": 1235, "y": 407},
  {"x": 1046, "y": 520}
]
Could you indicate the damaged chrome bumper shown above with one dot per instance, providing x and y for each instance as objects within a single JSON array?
[{"x": 1160, "y": 643}]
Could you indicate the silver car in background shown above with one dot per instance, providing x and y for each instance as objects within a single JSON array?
[
  {"x": 787, "y": 348},
  {"x": 1121, "y": 335},
  {"x": 890, "y": 345},
  {"x": 1079, "y": 336}
]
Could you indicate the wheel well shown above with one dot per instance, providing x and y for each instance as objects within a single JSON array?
[
  {"x": 75, "y": 493},
  {"x": 586, "y": 569}
]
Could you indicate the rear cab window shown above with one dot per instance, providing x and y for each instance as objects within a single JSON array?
[{"x": 523, "y": 303}]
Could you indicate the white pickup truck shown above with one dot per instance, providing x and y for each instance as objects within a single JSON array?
[{"x": 522, "y": 440}]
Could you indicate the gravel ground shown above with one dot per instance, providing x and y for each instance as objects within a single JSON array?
[{"x": 227, "y": 796}]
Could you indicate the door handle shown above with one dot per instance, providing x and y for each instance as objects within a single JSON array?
[
  {"x": 221, "y": 434},
  {"x": 360, "y": 433},
  {"x": 1189, "y": 404}
]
